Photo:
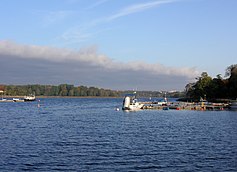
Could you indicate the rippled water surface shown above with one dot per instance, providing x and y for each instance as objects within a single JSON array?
[{"x": 89, "y": 135}]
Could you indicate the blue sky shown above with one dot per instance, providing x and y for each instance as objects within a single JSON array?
[{"x": 166, "y": 42}]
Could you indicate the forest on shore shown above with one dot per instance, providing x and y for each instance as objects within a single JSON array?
[
  {"x": 205, "y": 87},
  {"x": 210, "y": 88},
  {"x": 57, "y": 90},
  {"x": 66, "y": 90}
]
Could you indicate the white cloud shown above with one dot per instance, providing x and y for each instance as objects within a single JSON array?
[
  {"x": 53, "y": 17},
  {"x": 137, "y": 8},
  {"x": 91, "y": 57},
  {"x": 75, "y": 35},
  {"x": 97, "y": 3},
  {"x": 85, "y": 31}
]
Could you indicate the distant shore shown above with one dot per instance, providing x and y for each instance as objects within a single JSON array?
[{"x": 61, "y": 97}]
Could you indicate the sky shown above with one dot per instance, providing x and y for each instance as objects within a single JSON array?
[{"x": 116, "y": 44}]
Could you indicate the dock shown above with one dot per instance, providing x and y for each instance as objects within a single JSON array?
[{"x": 186, "y": 106}]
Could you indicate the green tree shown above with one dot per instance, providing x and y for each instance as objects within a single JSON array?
[
  {"x": 229, "y": 70},
  {"x": 63, "y": 90},
  {"x": 83, "y": 91},
  {"x": 201, "y": 88},
  {"x": 232, "y": 84}
]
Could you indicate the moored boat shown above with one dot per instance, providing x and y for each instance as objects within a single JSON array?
[
  {"x": 130, "y": 103},
  {"x": 162, "y": 102},
  {"x": 17, "y": 100},
  {"x": 29, "y": 98}
]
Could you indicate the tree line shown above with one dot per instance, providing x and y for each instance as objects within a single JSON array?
[
  {"x": 80, "y": 91},
  {"x": 60, "y": 90},
  {"x": 210, "y": 88}
]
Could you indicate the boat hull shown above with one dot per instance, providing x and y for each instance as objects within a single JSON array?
[
  {"x": 133, "y": 107},
  {"x": 29, "y": 98}
]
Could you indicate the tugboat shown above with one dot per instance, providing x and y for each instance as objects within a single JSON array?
[
  {"x": 30, "y": 97},
  {"x": 130, "y": 103}
]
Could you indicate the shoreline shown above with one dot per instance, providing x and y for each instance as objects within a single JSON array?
[{"x": 61, "y": 97}]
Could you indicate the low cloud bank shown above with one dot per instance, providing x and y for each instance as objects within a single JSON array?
[{"x": 24, "y": 64}]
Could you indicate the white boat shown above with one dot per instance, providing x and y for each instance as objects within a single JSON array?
[
  {"x": 162, "y": 102},
  {"x": 130, "y": 103},
  {"x": 17, "y": 100},
  {"x": 29, "y": 98}
]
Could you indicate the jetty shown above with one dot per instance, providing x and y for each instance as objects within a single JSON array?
[
  {"x": 200, "y": 106},
  {"x": 130, "y": 103}
]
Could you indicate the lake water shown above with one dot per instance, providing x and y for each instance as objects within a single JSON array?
[{"x": 89, "y": 135}]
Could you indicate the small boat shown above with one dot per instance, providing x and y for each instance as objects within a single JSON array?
[
  {"x": 17, "y": 100},
  {"x": 29, "y": 98},
  {"x": 130, "y": 103},
  {"x": 162, "y": 102}
]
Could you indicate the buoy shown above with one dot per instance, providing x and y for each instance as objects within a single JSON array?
[
  {"x": 117, "y": 109},
  {"x": 38, "y": 104}
]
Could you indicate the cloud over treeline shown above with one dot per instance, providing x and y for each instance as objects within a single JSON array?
[{"x": 26, "y": 64}]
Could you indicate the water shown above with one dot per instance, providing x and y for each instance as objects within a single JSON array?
[{"x": 89, "y": 135}]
